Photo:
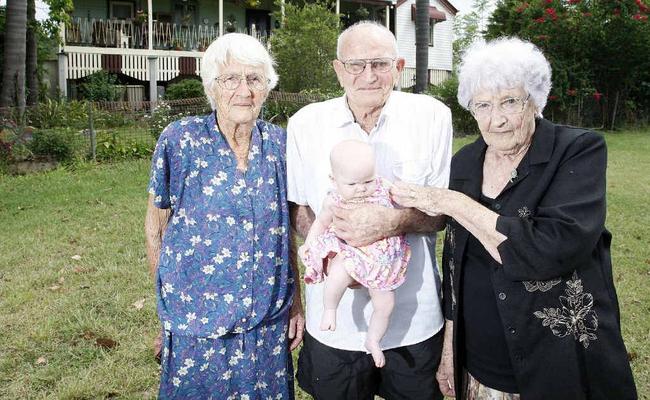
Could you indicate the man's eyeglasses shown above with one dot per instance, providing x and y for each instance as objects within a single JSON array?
[
  {"x": 509, "y": 105},
  {"x": 355, "y": 67},
  {"x": 232, "y": 81}
]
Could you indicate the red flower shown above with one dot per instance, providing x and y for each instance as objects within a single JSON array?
[
  {"x": 572, "y": 92},
  {"x": 540, "y": 20},
  {"x": 640, "y": 17},
  {"x": 549, "y": 1},
  {"x": 597, "y": 95},
  {"x": 574, "y": 1},
  {"x": 617, "y": 11},
  {"x": 552, "y": 97},
  {"x": 551, "y": 13}
]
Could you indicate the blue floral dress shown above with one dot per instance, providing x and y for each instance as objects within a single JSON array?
[{"x": 224, "y": 283}]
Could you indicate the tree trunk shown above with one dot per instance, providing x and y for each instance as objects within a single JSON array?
[
  {"x": 421, "y": 45},
  {"x": 31, "y": 66},
  {"x": 13, "y": 74}
]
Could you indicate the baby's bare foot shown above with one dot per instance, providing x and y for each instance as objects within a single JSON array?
[
  {"x": 377, "y": 354},
  {"x": 328, "y": 321}
]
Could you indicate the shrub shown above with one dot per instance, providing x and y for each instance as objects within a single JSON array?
[
  {"x": 13, "y": 143},
  {"x": 64, "y": 144},
  {"x": 463, "y": 121},
  {"x": 101, "y": 86},
  {"x": 305, "y": 46},
  {"x": 185, "y": 89},
  {"x": 118, "y": 148},
  {"x": 58, "y": 113}
]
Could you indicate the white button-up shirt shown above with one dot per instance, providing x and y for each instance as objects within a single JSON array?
[{"x": 413, "y": 140}]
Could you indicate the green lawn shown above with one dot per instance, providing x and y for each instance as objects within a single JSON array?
[{"x": 72, "y": 266}]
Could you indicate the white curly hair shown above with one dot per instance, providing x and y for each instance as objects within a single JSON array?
[
  {"x": 502, "y": 64},
  {"x": 242, "y": 48}
]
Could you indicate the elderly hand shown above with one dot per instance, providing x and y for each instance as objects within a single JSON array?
[
  {"x": 296, "y": 322},
  {"x": 362, "y": 224},
  {"x": 425, "y": 199},
  {"x": 445, "y": 375}
]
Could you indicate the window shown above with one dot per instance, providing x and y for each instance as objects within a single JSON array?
[
  {"x": 432, "y": 25},
  {"x": 121, "y": 9}
]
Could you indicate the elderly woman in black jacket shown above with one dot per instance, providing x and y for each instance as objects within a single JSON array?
[{"x": 529, "y": 297}]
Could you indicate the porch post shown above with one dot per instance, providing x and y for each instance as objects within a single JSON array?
[
  {"x": 220, "y": 18},
  {"x": 338, "y": 7},
  {"x": 153, "y": 71},
  {"x": 63, "y": 74},
  {"x": 63, "y": 63}
]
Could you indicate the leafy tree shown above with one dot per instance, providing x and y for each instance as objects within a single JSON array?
[
  {"x": 599, "y": 50},
  {"x": 469, "y": 27},
  {"x": 101, "y": 86},
  {"x": 304, "y": 47}
]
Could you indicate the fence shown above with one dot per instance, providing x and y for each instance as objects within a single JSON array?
[{"x": 64, "y": 130}]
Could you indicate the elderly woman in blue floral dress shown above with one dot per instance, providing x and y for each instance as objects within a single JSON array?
[{"x": 218, "y": 238}]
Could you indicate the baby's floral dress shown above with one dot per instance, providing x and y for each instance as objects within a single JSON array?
[{"x": 380, "y": 265}]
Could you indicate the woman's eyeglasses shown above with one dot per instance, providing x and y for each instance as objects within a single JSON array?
[
  {"x": 253, "y": 81},
  {"x": 509, "y": 105}
]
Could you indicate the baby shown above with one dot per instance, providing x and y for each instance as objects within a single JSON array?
[{"x": 380, "y": 266}]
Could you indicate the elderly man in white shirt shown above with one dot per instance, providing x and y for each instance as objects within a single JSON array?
[{"x": 411, "y": 135}]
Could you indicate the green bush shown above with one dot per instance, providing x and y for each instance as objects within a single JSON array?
[
  {"x": 58, "y": 113},
  {"x": 185, "y": 89},
  {"x": 463, "y": 121},
  {"x": 115, "y": 147},
  {"x": 101, "y": 86},
  {"x": 64, "y": 144},
  {"x": 305, "y": 46}
]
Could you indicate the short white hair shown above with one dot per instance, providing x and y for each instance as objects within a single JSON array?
[
  {"x": 239, "y": 47},
  {"x": 502, "y": 64},
  {"x": 366, "y": 25}
]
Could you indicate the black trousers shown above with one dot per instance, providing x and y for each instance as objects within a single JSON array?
[{"x": 327, "y": 373}]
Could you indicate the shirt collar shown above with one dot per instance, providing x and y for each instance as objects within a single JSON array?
[{"x": 344, "y": 116}]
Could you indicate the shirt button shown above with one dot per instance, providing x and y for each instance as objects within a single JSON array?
[
  {"x": 243, "y": 286},
  {"x": 502, "y": 296},
  {"x": 497, "y": 206},
  {"x": 243, "y": 320},
  {"x": 512, "y": 330}
]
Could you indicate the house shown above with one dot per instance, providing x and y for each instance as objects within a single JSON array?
[{"x": 149, "y": 44}]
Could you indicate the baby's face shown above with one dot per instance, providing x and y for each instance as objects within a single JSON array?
[{"x": 355, "y": 183}]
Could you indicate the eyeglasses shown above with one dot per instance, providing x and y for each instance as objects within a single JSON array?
[
  {"x": 232, "y": 81},
  {"x": 509, "y": 105},
  {"x": 355, "y": 67}
]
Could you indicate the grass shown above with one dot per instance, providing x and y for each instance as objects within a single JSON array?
[{"x": 72, "y": 265}]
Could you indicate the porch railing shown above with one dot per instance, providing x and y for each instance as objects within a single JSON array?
[{"x": 116, "y": 33}]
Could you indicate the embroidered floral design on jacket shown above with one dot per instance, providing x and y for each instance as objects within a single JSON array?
[
  {"x": 575, "y": 316},
  {"x": 524, "y": 212},
  {"x": 542, "y": 286}
]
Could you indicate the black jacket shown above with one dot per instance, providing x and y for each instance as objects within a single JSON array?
[{"x": 555, "y": 291}]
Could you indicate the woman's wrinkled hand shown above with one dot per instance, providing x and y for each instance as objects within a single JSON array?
[
  {"x": 425, "y": 199},
  {"x": 445, "y": 375},
  {"x": 296, "y": 323}
]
